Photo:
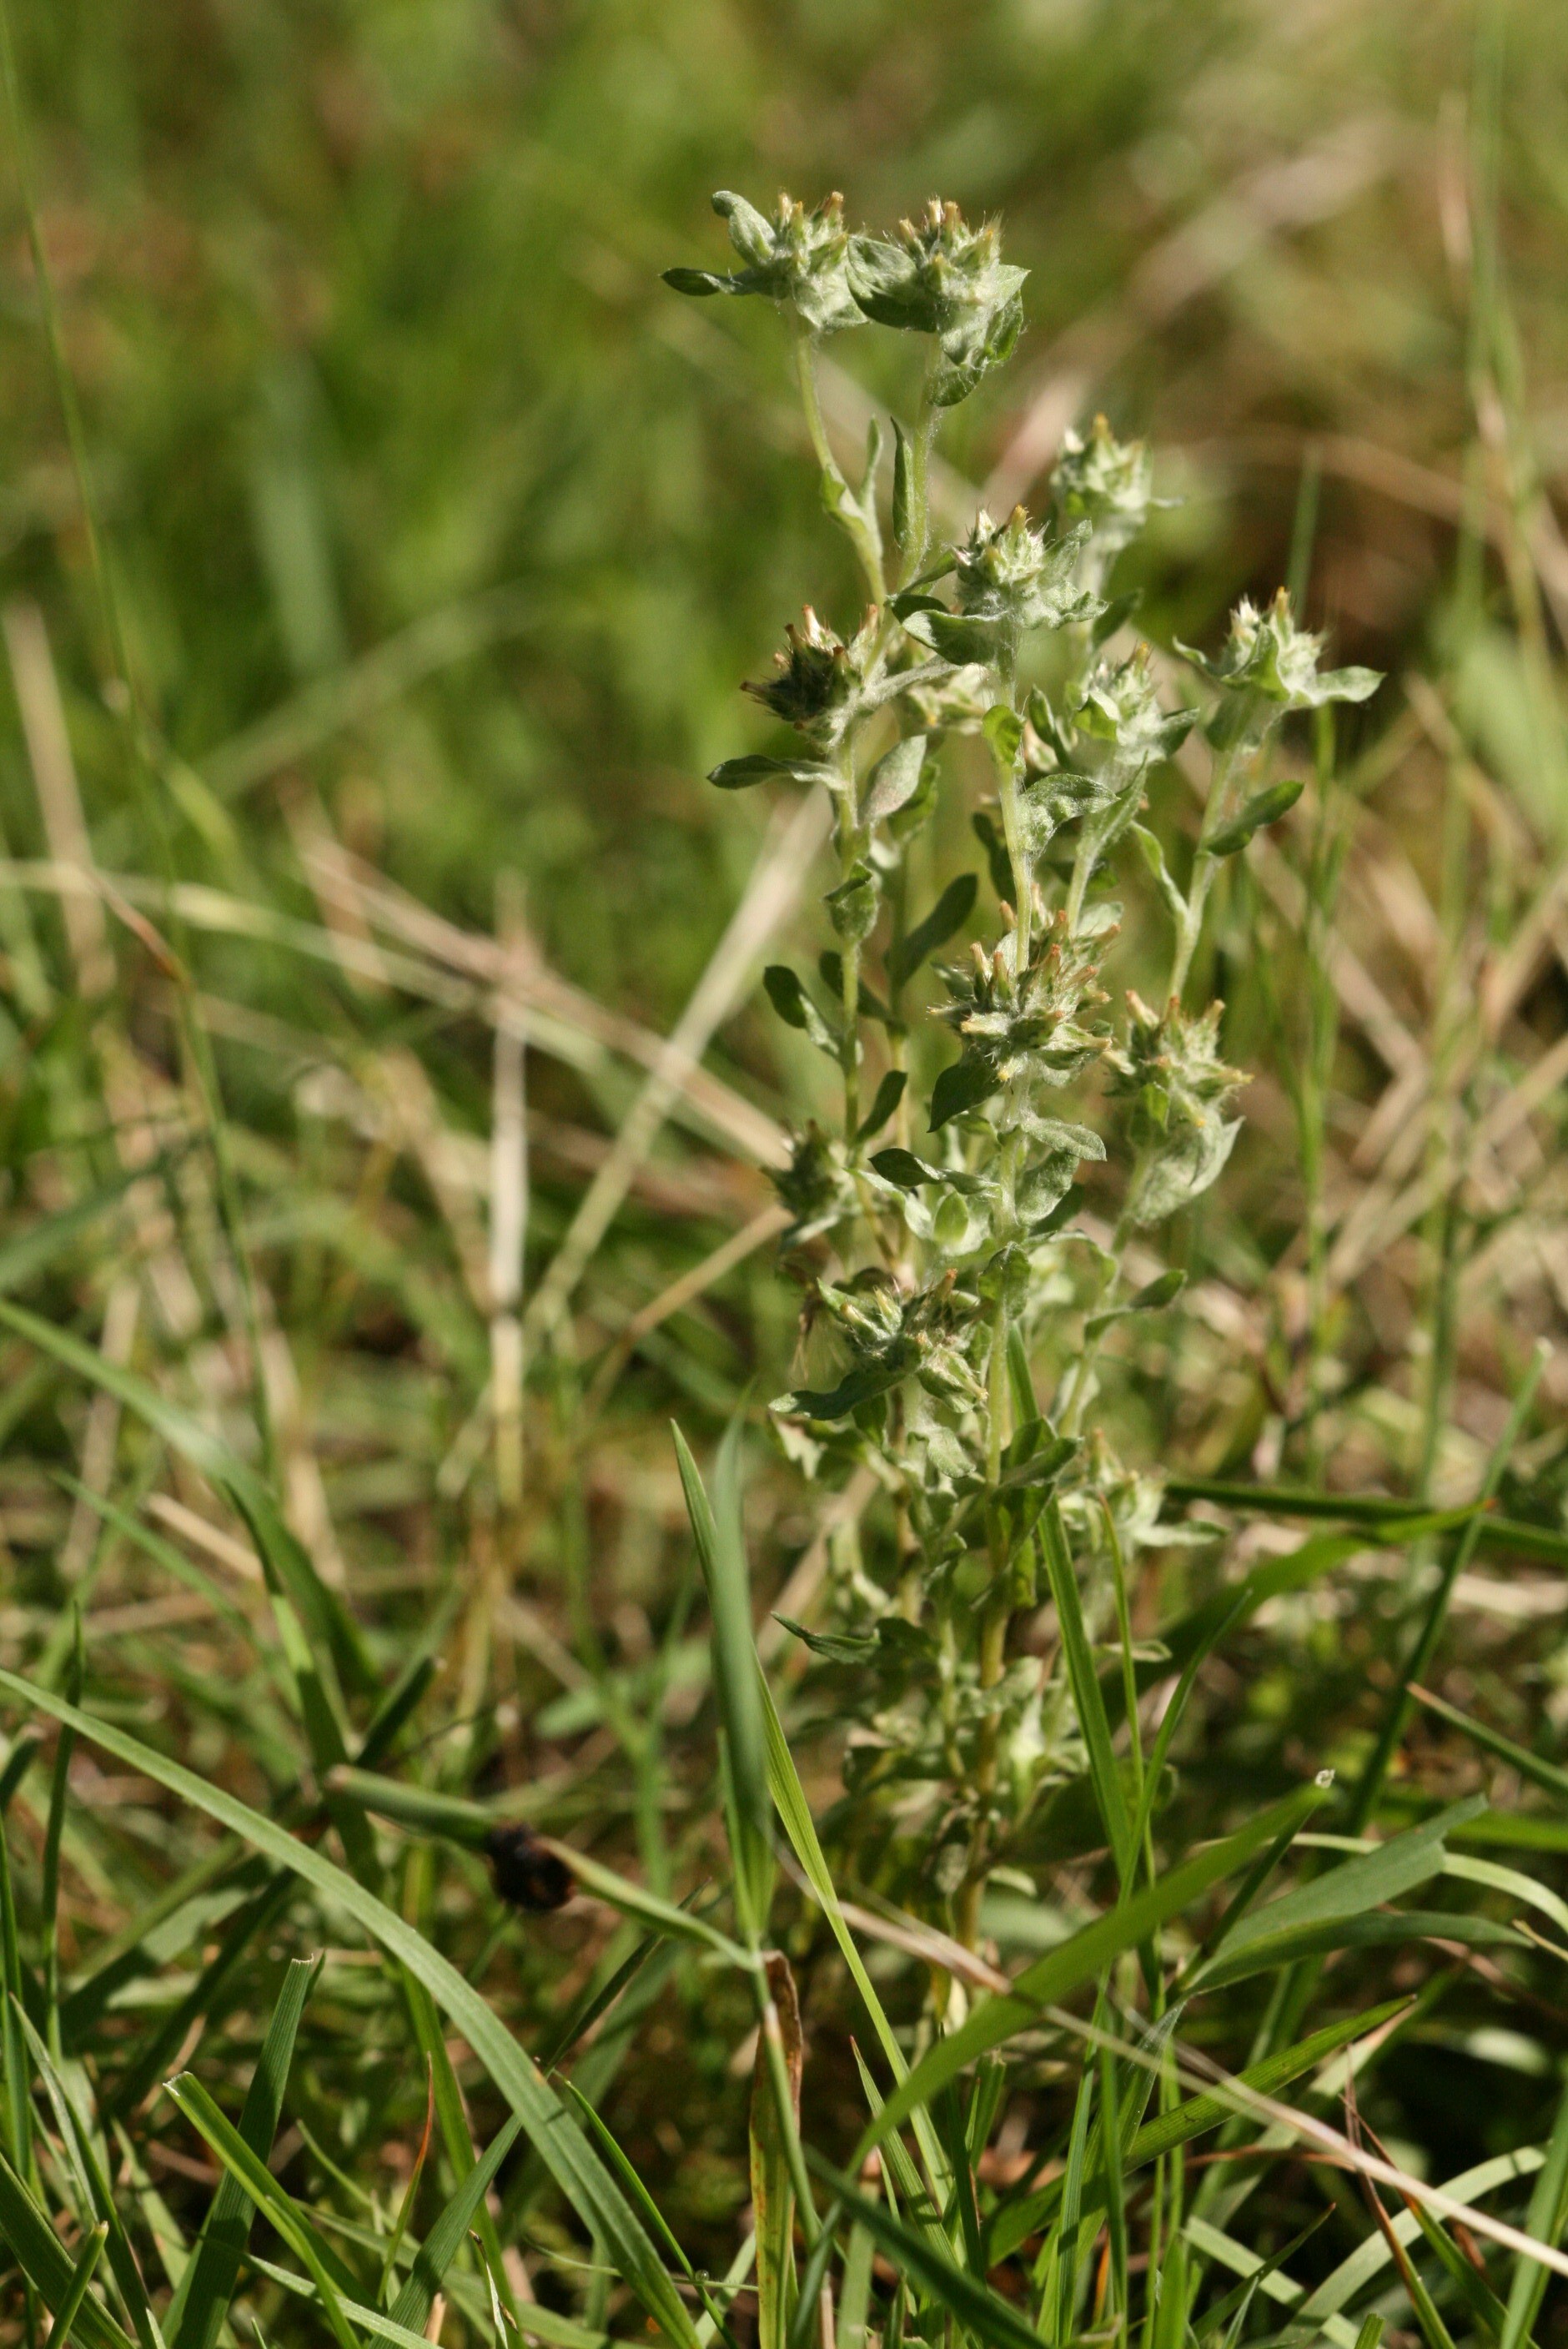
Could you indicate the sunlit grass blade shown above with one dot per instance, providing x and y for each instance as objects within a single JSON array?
[
  {"x": 1547, "y": 2216},
  {"x": 18, "y": 2085},
  {"x": 1309, "y": 1943},
  {"x": 795, "y": 1812},
  {"x": 331, "y": 2278},
  {"x": 1483, "y": 2303},
  {"x": 59, "y": 1782},
  {"x": 1355, "y": 2272},
  {"x": 198, "y": 2309},
  {"x": 1270, "y": 2280},
  {"x": 576, "y": 2169},
  {"x": 1234, "y": 2306},
  {"x": 1336, "y": 1898},
  {"x": 1015, "y": 2221},
  {"x": 553, "y": 2128},
  {"x": 772, "y": 2184},
  {"x": 649, "y": 2210},
  {"x": 452, "y": 2115}
]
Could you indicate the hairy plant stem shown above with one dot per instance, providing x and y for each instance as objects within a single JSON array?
[
  {"x": 1204, "y": 868},
  {"x": 1076, "y": 1387},
  {"x": 1017, "y": 857},
  {"x": 849, "y": 839},
  {"x": 996, "y": 1620},
  {"x": 833, "y": 476},
  {"x": 920, "y": 480}
]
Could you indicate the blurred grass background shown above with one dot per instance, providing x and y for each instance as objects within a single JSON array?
[{"x": 363, "y": 307}]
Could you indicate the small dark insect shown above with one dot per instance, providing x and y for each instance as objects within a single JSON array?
[{"x": 527, "y": 1874}]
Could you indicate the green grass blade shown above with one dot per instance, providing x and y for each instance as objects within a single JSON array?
[
  {"x": 76, "y": 2292},
  {"x": 1548, "y": 2212},
  {"x": 446, "y": 2237},
  {"x": 1015, "y": 2221},
  {"x": 1397, "y": 1712},
  {"x": 401, "y": 1702},
  {"x": 614, "y": 1974},
  {"x": 251, "y": 2173},
  {"x": 146, "y": 2068},
  {"x": 46, "y": 2264},
  {"x": 18, "y": 2082},
  {"x": 1350, "y": 1891},
  {"x": 1087, "y": 1697},
  {"x": 1389, "y": 1931},
  {"x": 59, "y": 1779},
  {"x": 1482, "y": 2302},
  {"x": 1353, "y": 2274},
  {"x": 664, "y": 1916},
  {"x": 567, "y": 2155},
  {"x": 720, "y": 1547},
  {"x": 200, "y": 2303},
  {"x": 76, "y": 2137},
  {"x": 1215, "y": 2244},
  {"x": 1083, "y": 1958},
  {"x": 1540, "y": 1772},
  {"x": 980, "y": 2313},
  {"x": 451, "y": 2113},
  {"x": 795, "y": 1812}
]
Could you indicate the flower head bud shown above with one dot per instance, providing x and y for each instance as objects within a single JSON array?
[
  {"x": 1011, "y": 571},
  {"x": 797, "y": 259},
  {"x": 1121, "y": 706},
  {"x": 1105, "y": 483},
  {"x": 1268, "y": 655},
  {"x": 1171, "y": 1070},
  {"x": 939, "y": 276},
  {"x": 820, "y": 676}
]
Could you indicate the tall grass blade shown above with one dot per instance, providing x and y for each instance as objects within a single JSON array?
[
  {"x": 331, "y": 2278},
  {"x": 1087, "y": 1698},
  {"x": 720, "y": 1547},
  {"x": 199, "y": 2305},
  {"x": 76, "y": 2292}
]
